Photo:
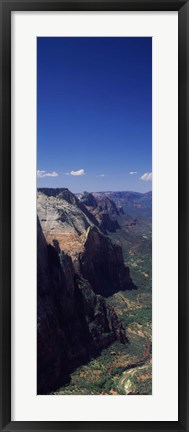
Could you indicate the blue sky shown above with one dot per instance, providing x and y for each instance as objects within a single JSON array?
[{"x": 94, "y": 113}]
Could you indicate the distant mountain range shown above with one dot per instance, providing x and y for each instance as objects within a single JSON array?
[{"x": 125, "y": 199}]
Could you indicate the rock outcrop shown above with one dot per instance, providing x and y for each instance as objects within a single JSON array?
[
  {"x": 61, "y": 193},
  {"x": 102, "y": 264},
  {"x": 73, "y": 322},
  {"x": 106, "y": 204},
  {"x": 62, "y": 218},
  {"x": 94, "y": 255},
  {"x": 88, "y": 199},
  {"x": 64, "y": 194},
  {"x": 106, "y": 223},
  {"x": 104, "y": 210}
]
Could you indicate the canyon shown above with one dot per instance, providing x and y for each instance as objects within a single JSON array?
[{"x": 78, "y": 267}]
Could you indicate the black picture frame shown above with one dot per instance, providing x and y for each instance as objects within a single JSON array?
[{"x": 182, "y": 6}]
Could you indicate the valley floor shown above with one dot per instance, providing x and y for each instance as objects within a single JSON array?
[
  {"x": 125, "y": 369},
  {"x": 120, "y": 369}
]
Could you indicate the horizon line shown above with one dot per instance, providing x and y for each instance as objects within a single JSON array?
[{"x": 94, "y": 191}]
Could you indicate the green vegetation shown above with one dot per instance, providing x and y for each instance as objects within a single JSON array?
[
  {"x": 141, "y": 316},
  {"x": 125, "y": 369}
]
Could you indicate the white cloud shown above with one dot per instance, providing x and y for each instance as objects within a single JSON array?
[
  {"x": 146, "y": 176},
  {"x": 41, "y": 174},
  {"x": 133, "y": 172},
  {"x": 101, "y": 175},
  {"x": 77, "y": 173}
]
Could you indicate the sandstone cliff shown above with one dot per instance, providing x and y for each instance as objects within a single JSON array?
[
  {"x": 101, "y": 263},
  {"x": 73, "y": 322},
  {"x": 104, "y": 210},
  {"x": 95, "y": 257}
]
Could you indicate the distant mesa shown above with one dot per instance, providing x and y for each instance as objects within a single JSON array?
[{"x": 127, "y": 199}]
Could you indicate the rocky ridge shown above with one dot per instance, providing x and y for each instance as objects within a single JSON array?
[
  {"x": 73, "y": 322},
  {"x": 127, "y": 199},
  {"x": 104, "y": 210},
  {"x": 64, "y": 219}
]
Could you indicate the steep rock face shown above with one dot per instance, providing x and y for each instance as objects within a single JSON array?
[
  {"x": 104, "y": 210},
  {"x": 102, "y": 265},
  {"x": 106, "y": 204},
  {"x": 88, "y": 200},
  {"x": 94, "y": 255},
  {"x": 64, "y": 219},
  {"x": 64, "y": 194},
  {"x": 72, "y": 322},
  {"x": 106, "y": 213},
  {"x": 106, "y": 223},
  {"x": 61, "y": 193}
]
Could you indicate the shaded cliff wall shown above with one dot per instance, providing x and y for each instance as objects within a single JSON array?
[{"x": 72, "y": 322}]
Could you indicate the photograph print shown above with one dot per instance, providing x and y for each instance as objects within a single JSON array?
[{"x": 94, "y": 216}]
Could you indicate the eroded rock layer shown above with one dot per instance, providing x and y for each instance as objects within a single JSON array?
[
  {"x": 73, "y": 322},
  {"x": 65, "y": 219}
]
